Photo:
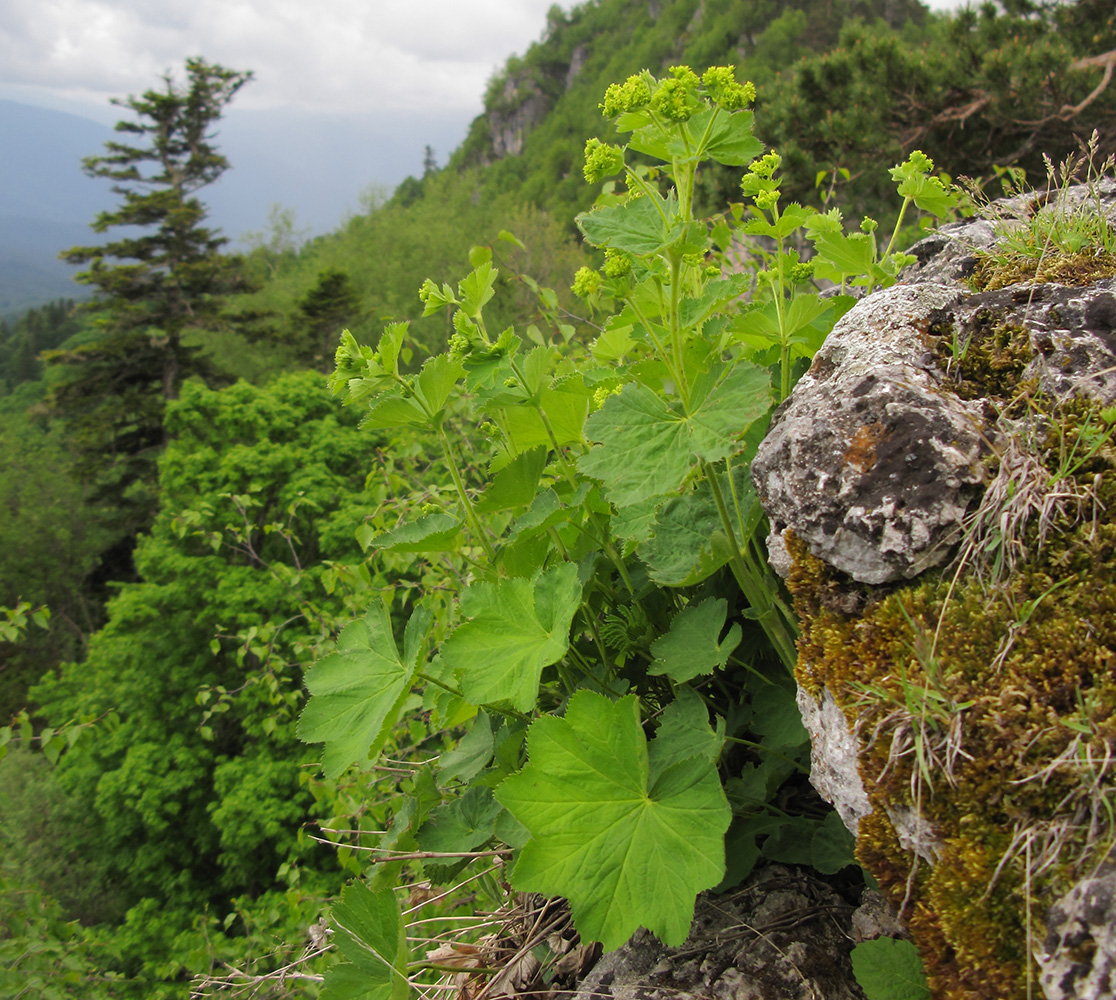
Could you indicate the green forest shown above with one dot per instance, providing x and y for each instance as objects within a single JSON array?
[{"x": 331, "y": 569}]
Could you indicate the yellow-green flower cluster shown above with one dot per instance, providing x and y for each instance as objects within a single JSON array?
[
  {"x": 760, "y": 182},
  {"x": 766, "y": 165},
  {"x": 434, "y": 298},
  {"x": 720, "y": 82},
  {"x": 676, "y": 98},
  {"x": 602, "y": 160},
  {"x": 920, "y": 161},
  {"x": 767, "y": 200},
  {"x": 466, "y": 337},
  {"x": 631, "y": 95},
  {"x": 601, "y": 393},
  {"x": 586, "y": 282},
  {"x": 802, "y": 272},
  {"x": 616, "y": 263},
  {"x": 459, "y": 347},
  {"x": 350, "y": 356}
]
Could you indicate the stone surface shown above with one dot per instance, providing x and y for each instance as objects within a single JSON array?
[
  {"x": 1078, "y": 958},
  {"x": 785, "y": 934},
  {"x": 868, "y": 461},
  {"x": 875, "y": 458},
  {"x": 521, "y": 107},
  {"x": 833, "y": 757}
]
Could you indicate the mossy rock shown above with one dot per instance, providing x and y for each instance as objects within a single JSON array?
[{"x": 985, "y": 700}]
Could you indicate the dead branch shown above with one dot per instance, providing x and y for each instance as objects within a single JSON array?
[{"x": 1105, "y": 59}]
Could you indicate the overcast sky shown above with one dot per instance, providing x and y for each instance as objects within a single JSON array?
[
  {"x": 346, "y": 95},
  {"x": 338, "y": 56}
]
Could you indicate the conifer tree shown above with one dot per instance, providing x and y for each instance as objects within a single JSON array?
[
  {"x": 171, "y": 276},
  {"x": 164, "y": 276},
  {"x": 331, "y": 304}
]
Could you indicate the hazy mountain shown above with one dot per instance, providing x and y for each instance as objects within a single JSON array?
[
  {"x": 319, "y": 165},
  {"x": 46, "y": 202}
]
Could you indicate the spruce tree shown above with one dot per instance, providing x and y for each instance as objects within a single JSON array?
[
  {"x": 164, "y": 276},
  {"x": 332, "y": 303}
]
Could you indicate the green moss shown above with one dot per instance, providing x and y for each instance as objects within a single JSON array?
[
  {"x": 1086, "y": 267},
  {"x": 985, "y": 705},
  {"x": 985, "y": 359}
]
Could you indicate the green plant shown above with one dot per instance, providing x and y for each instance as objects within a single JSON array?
[
  {"x": 597, "y": 592},
  {"x": 16, "y": 619},
  {"x": 889, "y": 969},
  {"x": 1058, "y": 236}
]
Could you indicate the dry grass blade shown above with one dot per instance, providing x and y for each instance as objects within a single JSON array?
[
  {"x": 1021, "y": 493},
  {"x": 533, "y": 950}
]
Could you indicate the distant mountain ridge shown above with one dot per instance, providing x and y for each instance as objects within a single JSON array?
[
  {"x": 46, "y": 202},
  {"x": 317, "y": 164}
]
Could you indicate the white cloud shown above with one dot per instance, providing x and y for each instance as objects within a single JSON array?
[
  {"x": 340, "y": 56},
  {"x": 325, "y": 56}
]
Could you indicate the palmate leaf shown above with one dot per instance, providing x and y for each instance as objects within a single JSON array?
[
  {"x": 625, "y": 842},
  {"x": 515, "y": 484},
  {"x": 838, "y": 255},
  {"x": 889, "y": 969},
  {"x": 516, "y": 627},
  {"x": 684, "y": 733},
  {"x": 642, "y": 226},
  {"x": 688, "y": 542},
  {"x": 370, "y": 934},
  {"x": 648, "y": 446},
  {"x": 565, "y": 405},
  {"x": 832, "y": 846},
  {"x": 693, "y": 645},
  {"x": 461, "y": 825},
  {"x": 777, "y": 717},
  {"x": 644, "y": 449},
  {"x": 731, "y": 141},
  {"x": 356, "y": 692},
  {"x": 437, "y": 532}
]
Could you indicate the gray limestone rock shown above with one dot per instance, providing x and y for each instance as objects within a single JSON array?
[
  {"x": 869, "y": 462},
  {"x": 833, "y": 757},
  {"x": 1078, "y": 958},
  {"x": 878, "y": 453}
]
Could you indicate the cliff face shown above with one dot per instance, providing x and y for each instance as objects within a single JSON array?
[
  {"x": 521, "y": 107},
  {"x": 602, "y": 41},
  {"x": 942, "y": 493}
]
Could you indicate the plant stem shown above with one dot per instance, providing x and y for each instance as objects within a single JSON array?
[
  {"x": 459, "y": 484},
  {"x": 567, "y": 469},
  {"x": 780, "y": 312},
  {"x": 767, "y": 750},
  {"x": 676, "y": 330},
  {"x": 442, "y": 684},
  {"x": 752, "y": 581},
  {"x": 894, "y": 236}
]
